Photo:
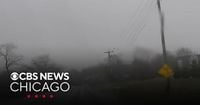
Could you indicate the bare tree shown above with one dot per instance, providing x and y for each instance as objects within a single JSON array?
[
  {"x": 144, "y": 54},
  {"x": 44, "y": 63},
  {"x": 184, "y": 52},
  {"x": 116, "y": 59},
  {"x": 9, "y": 56}
]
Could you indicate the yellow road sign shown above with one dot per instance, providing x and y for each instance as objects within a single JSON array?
[{"x": 166, "y": 71}]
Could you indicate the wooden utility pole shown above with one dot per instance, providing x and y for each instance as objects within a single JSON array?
[
  {"x": 109, "y": 59},
  {"x": 161, "y": 14},
  {"x": 162, "y": 31},
  {"x": 109, "y": 55}
]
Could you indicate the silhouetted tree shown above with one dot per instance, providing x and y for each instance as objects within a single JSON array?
[
  {"x": 143, "y": 54},
  {"x": 44, "y": 63},
  {"x": 9, "y": 56},
  {"x": 116, "y": 60},
  {"x": 184, "y": 52}
]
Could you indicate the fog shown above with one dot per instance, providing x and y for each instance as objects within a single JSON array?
[{"x": 77, "y": 32}]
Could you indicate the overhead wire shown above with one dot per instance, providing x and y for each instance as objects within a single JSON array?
[
  {"x": 139, "y": 22},
  {"x": 142, "y": 25},
  {"x": 127, "y": 28},
  {"x": 137, "y": 19}
]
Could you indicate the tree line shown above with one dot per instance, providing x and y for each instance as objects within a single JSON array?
[{"x": 145, "y": 65}]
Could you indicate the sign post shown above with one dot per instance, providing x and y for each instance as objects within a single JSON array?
[{"x": 166, "y": 72}]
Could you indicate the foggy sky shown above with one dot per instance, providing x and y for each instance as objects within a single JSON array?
[{"x": 79, "y": 31}]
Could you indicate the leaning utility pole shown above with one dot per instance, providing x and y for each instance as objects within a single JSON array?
[
  {"x": 162, "y": 31},
  {"x": 161, "y": 14}
]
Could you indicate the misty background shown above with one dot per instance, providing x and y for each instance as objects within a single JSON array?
[{"x": 78, "y": 32}]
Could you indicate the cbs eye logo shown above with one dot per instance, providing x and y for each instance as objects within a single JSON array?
[{"x": 14, "y": 76}]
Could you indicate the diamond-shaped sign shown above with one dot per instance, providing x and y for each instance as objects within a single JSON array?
[{"x": 166, "y": 71}]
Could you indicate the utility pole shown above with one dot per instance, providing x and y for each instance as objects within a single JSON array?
[
  {"x": 162, "y": 31},
  {"x": 161, "y": 14},
  {"x": 109, "y": 59},
  {"x": 109, "y": 55}
]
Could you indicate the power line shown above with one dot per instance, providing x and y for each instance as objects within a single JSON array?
[
  {"x": 134, "y": 26},
  {"x": 132, "y": 18},
  {"x": 138, "y": 29},
  {"x": 134, "y": 23},
  {"x": 135, "y": 34}
]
